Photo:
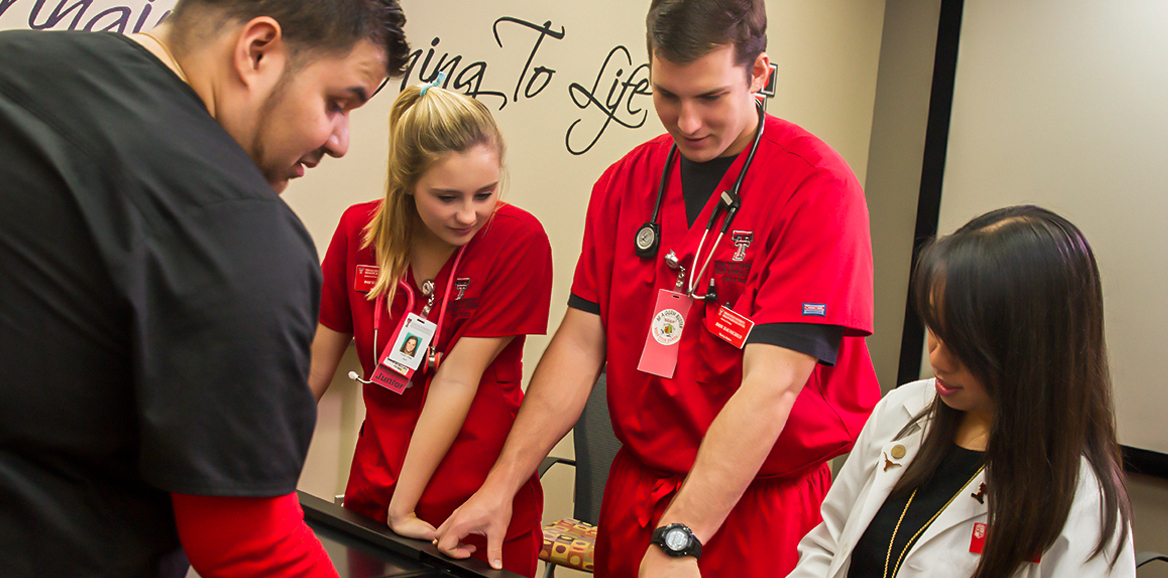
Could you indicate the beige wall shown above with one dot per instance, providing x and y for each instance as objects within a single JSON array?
[
  {"x": 1059, "y": 104},
  {"x": 894, "y": 166}
]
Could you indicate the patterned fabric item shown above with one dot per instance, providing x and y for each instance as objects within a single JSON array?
[{"x": 569, "y": 543}]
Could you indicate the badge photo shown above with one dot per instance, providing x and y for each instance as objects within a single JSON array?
[{"x": 411, "y": 343}]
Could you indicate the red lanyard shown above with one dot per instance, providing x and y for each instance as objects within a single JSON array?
[{"x": 410, "y": 302}]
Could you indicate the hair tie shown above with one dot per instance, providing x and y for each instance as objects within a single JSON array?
[{"x": 437, "y": 80}]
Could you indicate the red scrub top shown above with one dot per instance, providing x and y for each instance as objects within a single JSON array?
[
  {"x": 798, "y": 251},
  {"x": 502, "y": 287}
]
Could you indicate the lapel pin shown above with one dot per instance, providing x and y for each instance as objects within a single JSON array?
[
  {"x": 889, "y": 463},
  {"x": 897, "y": 452},
  {"x": 980, "y": 495}
]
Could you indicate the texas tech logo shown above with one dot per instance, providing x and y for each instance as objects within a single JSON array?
[
  {"x": 461, "y": 284},
  {"x": 741, "y": 240}
]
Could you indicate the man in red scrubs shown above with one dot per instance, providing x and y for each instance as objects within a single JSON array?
[{"x": 735, "y": 354}]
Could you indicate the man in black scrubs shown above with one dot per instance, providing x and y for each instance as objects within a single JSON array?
[{"x": 158, "y": 299}]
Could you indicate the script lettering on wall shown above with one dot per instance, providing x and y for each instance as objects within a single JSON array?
[
  {"x": 83, "y": 15},
  {"x": 618, "y": 102},
  {"x": 611, "y": 96}
]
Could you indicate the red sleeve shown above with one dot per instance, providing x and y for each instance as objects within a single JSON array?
[
  {"x": 596, "y": 250},
  {"x": 518, "y": 292},
  {"x": 335, "y": 312},
  {"x": 821, "y": 271},
  {"x": 237, "y": 537}
]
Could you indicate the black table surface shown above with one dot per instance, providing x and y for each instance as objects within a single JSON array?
[{"x": 363, "y": 548}]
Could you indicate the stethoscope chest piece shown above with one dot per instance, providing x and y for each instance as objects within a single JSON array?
[{"x": 648, "y": 239}]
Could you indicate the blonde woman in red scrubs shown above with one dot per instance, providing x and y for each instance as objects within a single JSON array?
[{"x": 441, "y": 253}]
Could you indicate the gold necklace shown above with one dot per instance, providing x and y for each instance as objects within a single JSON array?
[
  {"x": 900, "y": 558},
  {"x": 177, "y": 67}
]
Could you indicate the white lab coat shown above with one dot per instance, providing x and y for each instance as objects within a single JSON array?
[{"x": 863, "y": 484}]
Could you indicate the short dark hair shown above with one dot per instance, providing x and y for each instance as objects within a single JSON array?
[
  {"x": 1015, "y": 294},
  {"x": 312, "y": 26},
  {"x": 683, "y": 31}
]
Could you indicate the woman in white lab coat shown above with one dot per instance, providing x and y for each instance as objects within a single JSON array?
[{"x": 1005, "y": 464}]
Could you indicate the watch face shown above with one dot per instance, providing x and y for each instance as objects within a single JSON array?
[
  {"x": 645, "y": 238},
  {"x": 676, "y": 540}
]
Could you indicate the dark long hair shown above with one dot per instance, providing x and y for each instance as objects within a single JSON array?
[{"x": 1015, "y": 295}]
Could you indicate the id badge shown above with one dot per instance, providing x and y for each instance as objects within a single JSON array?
[
  {"x": 659, "y": 357},
  {"x": 409, "y": 347},
  {"x": 365, "y": 278},
  {"x": 730, "y": 326}
]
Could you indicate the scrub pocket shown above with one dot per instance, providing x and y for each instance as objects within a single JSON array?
[{"x": 720, "y": 364}]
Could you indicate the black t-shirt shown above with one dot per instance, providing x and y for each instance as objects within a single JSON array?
[
  {"x": 872, "y": 550},
  {"x": 698, "y": 181},
  {"x": 157, "y": 305}
]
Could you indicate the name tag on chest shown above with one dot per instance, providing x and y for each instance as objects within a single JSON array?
[
  {"x": 730, "y": 326},
  {"x": 365, "y": 278}
]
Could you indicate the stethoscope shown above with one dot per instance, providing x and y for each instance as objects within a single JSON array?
[
  {"x": 433, "y": 357},
  {"x": 648, "y": 238}
]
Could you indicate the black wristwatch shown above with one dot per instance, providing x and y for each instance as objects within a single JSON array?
[{"x": 677, "y": 540}]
